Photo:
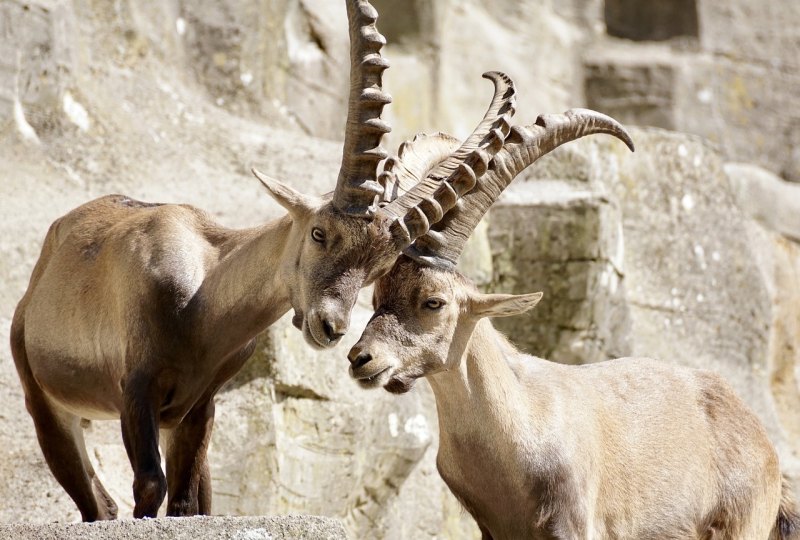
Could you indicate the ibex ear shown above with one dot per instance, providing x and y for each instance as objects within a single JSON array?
[
  {"x": 293, "y": 201},
  {"x": 502, "y": 305}
]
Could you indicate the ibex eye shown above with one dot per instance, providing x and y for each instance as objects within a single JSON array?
[
  {"x": 318, "y": 235},
  {"x": 434, "y": 303}
]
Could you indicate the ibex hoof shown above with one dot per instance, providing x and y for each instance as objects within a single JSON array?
[
  {"x": 148, "y": 493},
  {"x": 187, "y": 507}
]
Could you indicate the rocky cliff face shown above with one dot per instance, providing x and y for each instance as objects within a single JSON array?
[{"x": 670, "y": 252}]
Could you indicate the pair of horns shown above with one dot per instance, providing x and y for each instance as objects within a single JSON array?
[
  {"x": 432, "y": 220},
  {"x": 443, "y": 244},
  {"x": 357, "y": 185},
  {"x": 412, "y": 214}
]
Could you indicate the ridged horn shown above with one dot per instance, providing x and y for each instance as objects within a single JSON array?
[
  {"x": 356, "y": 186},
  {"x": 412, "y": 214},
  {"x": 445, "y": 242}
]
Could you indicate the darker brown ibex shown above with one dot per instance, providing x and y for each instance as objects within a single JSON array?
[
  {"x": 142, "y": 311},
  {"x": 627, "y": 449}
]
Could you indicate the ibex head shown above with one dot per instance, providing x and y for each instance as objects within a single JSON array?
[
  {"x": 423, "y": 320},
  {"x": 349, "y": 239},
  {"x": 335, "y": 255},
  {"x": 425, "y": 310},
  {"x": 338, "y": 250}
]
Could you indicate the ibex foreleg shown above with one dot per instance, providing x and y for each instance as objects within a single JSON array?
[
  {"x": 188, "y": 476},
  {"x": 139, "y": 419}
]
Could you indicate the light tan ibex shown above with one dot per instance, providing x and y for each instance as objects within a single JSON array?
[
  {"x": 142, "y": 311},
  {"x": 625, "y": 449}
]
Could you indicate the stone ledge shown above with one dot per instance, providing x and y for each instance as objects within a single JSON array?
[{"x": 191, "y": 528}]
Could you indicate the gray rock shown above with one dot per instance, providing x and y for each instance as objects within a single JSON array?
[
  {"x": 192, "y": 528},
  {"x": 651, "y": 21},
  {"x": 634, "y": 92},
  {"x": 745, "y": 108},
  {"x": 791, "y": 168},
  {"x": 435, "y": 77},
  {"x": 766, "y": 198},
  {"x": 36, "y": 65},
  {"x": 735, "y": 81},
  {"x": 778, "y": 260},
  {"x": 745, "y": 30},
  {"x": 563, "y": 239}
]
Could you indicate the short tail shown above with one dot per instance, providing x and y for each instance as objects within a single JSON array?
[{"x": 787, "y": 526}]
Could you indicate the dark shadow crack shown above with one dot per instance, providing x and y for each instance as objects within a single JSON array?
[{"x": 283, "y": 391}]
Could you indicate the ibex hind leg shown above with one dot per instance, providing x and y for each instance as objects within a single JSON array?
[
  {"x": 753, "y": 516},
  {"x": 760, "y": 522},
  {"x": 61, "y": 439},
  {"x": 188, "y": 475}
]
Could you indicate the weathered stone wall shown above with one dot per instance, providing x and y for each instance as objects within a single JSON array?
[
  {"x": 731, "y": 77},
  {"x": 174, "y": 100}
]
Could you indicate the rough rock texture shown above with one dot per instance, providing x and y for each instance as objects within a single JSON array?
[
  {"x": 437, "y": 62},
  {"x": 779, "y": 262},
  {"x": 651, "y": 21},
  {"x": 562, "y": 238},
  {"x": 648, "y": 254},
  {"x": 194, "y": 528},
  {"x": 767, "y": 198},
  {"x": 731, "y": 78}
]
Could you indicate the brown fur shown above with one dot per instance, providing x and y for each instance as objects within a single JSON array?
[
  {"x": 141, "y": 312},
  {"x": 630, "y": 448},
  {"x": 788, "y": 526}
]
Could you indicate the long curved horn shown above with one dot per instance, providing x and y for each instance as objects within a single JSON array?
[
  {"x": 356, "y": 186},
  {"x": 498, "y": 116},
  {"x": 443, "y": 244},
  {"x": 412, "y": 214}
]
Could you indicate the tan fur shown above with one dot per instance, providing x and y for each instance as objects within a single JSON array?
[
  {"x": 141, "y": 312},
  {"x": 626, "y": 449}
]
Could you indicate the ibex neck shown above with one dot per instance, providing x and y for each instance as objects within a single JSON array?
[
  {"x": 489, "y": 431},
  {"x": 483, "y": 389},
  {"x": 246, "y": 291}
]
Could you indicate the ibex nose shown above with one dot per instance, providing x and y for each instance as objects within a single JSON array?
[
  {"x": 332, "y": 330},
  {"x": 358, "y": 357}
]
